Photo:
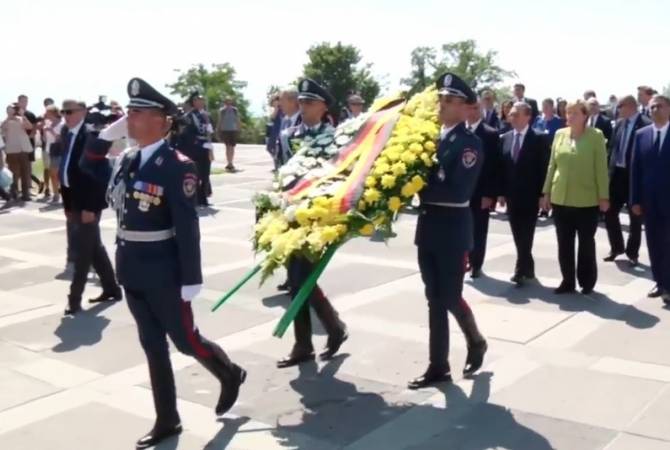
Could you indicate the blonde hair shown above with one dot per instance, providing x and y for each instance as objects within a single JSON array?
[{"x": 578, "y": 105}]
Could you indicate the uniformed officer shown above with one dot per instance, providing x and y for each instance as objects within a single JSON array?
[
  {"x": 153, "y": 190},
  {"x": 195, "y": 142},
  {"x": 314, "y": 101},
  {"x": 444, "y": 232}
]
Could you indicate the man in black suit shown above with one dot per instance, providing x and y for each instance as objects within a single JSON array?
[
  {"x": 598, "y": 120},
  {"x": 520, "y": 97},
  {"x": 83, "y": 201},
  {"x": 525, "y": 158},
  {"x": 489, "y": 114},
  {"x": 486, "y": 191},
  {"x": 620, "y": 153}
]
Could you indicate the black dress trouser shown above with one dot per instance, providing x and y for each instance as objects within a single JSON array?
[
  {"x": 523, "y": 222},
  {"x": 619, "y": 190},
  {"x": 581, "y": 223},
  {"x": 161, "y": 312},
  {"x": 480, "y": 231},
  {"x": 299, "y": 269}
]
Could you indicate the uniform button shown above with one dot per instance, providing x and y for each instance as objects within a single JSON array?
[
  {"x": 125, "y": 210},
  {"x": 127, "y": 195},
  {"x": 122, "y": 243}
]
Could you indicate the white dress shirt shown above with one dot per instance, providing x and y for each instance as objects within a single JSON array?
[
  {"x": 73, "y": 136},
  {"x": 664, "y": 133},
  {"x": 146, "y": 152}
]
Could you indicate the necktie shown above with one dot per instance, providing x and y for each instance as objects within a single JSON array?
[
  {"x": 516, "y": 147},
  {"x": 621, "y": 156},
  {"x": 285, "y": 123},
  {"x": 657, "y": 143}
]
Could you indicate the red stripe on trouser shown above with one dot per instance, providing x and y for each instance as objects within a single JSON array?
[{"x": 192, "y": 333}]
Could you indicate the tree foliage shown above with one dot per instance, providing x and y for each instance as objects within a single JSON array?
[
  {"x": 338, "y": 68},
  {"x": 216, "y": 83},
  {"x": 479, "y": 69}
]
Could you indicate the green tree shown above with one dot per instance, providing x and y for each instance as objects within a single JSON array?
[
  {"x": 338, "y": 68},
  {"x": 216, "y": 83},
  {"x": 463, "y": 58}
]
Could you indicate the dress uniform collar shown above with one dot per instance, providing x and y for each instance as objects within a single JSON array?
[{"x": 147, "y": 152}]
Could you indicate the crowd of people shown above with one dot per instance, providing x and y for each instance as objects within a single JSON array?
[{"x": 578, "y": 159}]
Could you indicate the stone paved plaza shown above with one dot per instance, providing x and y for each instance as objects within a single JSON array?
[{"x": 568, "y": 373}]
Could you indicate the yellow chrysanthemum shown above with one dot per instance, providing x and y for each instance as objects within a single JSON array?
[
  {"x": 370, "y": 182},
  {"x": 429, "y": 146},
  {"x": 394, "y": 204},
  {"x": 367, "y": 230},
  {"x": 408, "y": 190},
  {"x": 418, "y": 182},
  {"x": 303, "y": 215},
  {"x": 371, "y": 195},
  {"x": 388, "y": 181},
  {"x": 408, "y": 158},
  {"x": 416, "y": 148},
  {"x": 427, "y": 160},
  {"x": 399, "y": 169}
]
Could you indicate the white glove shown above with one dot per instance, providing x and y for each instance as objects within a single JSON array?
[
  {"x": 116, "y": 130},
  {"x": 189, "y": 292}
]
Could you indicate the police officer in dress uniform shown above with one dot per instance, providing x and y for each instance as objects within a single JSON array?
[
  {"x": 314, "y": 102},
  {"x": 153, "y": 190},
  {"x": 444, "y": 232},
  {"x": 196, "y": 143}
]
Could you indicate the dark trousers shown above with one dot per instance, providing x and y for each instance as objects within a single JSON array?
[
  {"x": 70, "y": 225},
  {"x": 442, "y": 274},
  {"x": 299, "y": 270},
  {"x": 657, "y": 229},
  {"x": 160, "y": 312},
  {"x": 581, "y": 223},
  {"x": 523, "y": 223},
  {"x": 90, "y": 251},
  {"x": 619, "y": 191},
  {"x": 480, "y": 231},
  {"x": 204, "y": 167}
]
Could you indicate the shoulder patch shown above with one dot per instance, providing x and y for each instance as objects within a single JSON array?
[
  {"x": 469, "y": 158},
  {"x": 190, "y": 184}
]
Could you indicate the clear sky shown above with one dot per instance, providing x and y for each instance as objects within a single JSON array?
[{"x": 82, "y": 48}]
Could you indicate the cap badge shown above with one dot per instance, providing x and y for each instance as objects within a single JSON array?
[
  {"x": 447, "y": 80},
  {"x": 305, "y": 85},
  {"x": 135, "y": 88}
]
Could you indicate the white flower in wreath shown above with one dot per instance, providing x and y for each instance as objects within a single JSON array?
[{"x": 289, "y": 213}]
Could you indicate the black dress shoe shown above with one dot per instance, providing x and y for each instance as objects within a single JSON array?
[
  {"x": 107, "y": 297},
  {"x": 284, "y": 286},
  {"x": 612, "y": 256},
  {"x": 232, "y": 390},
  {"x": 633, "y": 262},
  {"x": 432, "y": 376},
  {"x": 156, "y": 436},
  {"x": 295, "y": 358},
  {"x": 564, "y": 289},
  {"x": 655, "y": 292},
  {"x": 475, "y": 358},
  {"x": 72, "y": 310},
  {"x": 519, "y": 280},
  {"x": 587, "y": 291},
  {"x": 333, "y": 345},
  {"x": 476, "y": 273}
]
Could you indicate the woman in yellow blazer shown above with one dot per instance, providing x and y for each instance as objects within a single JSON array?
[{"x": 576, "y": 187}]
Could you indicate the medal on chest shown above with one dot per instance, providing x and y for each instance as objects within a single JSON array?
[{"x": 146, "y": 195}]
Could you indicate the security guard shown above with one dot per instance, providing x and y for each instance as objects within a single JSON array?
[
  {"x": 195, "y": 142},
  {"x": 444, "y": 232},
  {"x": 314, "y": 102},
  {"x": 153, "y": 189}
]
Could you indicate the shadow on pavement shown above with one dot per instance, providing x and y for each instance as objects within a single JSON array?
[
  {"x": 84, "y": 329},
  {"x": 227, "y": 433},
  {"x": 344, "y": 415},
  {"x": 596, "y": 303}
]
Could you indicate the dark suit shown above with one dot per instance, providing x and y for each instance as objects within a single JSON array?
[
  {"x": 620, "y": 189},
  {"x": 491, "y": 119},
  {"x": 83, "y": 193},
  {"x": 522, "y": 182},
  {"x": 603, "y": 124},
  {"x": 488, "y": 186},
  {"x": 650, "y": 185}
]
